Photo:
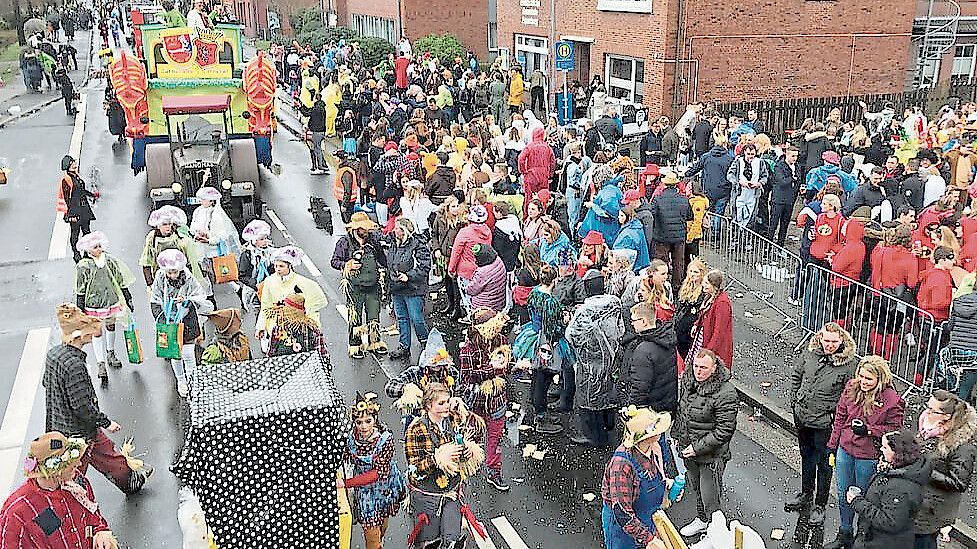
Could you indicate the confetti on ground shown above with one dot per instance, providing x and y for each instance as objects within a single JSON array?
[
  {"x": 528, "y": 450},
  {"x": 589, "y": 496},
  {"x": 509, "y": 414},
  {"x": 539, "y": 454},
  {"x": 777, "y": 534},
  {"x": 525, "y": 427}
]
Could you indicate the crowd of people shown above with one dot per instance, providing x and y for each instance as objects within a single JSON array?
[
  {"x": 47, "y": 57},
  {"x": 563, "y": 267}
]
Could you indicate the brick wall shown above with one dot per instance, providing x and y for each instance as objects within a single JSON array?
[
  {"x": 379, "y": 8},
  {"x": 758, "y": 66},
  {"x": 466, "y": 20}
]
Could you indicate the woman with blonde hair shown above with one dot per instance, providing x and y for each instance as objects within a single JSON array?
[
  {"x": 868, "y": 409},
  {"x": 690, "y": 299},
  {"x": 448, "y": 220}
]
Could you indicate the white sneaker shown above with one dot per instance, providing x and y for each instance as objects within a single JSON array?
[
  {"x": 694, "y": 528},
  {"x": 183, "y": 390}
]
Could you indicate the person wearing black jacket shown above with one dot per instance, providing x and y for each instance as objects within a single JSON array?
[
  {"x": 869, "y": 194},
  {"x": 651, "y": 146},
  {"x": 442, "y": 181},
  {"x": 408, "y": 264},
  {"x": 907, "y": 189},
  {"x": 650, "y": 370},
  {"x": 591, "y": 139},
  {"x": 894, "y": 495},
  {"x": 671, "y": 212},
  {"x": 715, "y": 186},
  {"x": 701, "y": 137},
  {"x": 317, "y": 129},
  {"x": 785, "y": 183}
]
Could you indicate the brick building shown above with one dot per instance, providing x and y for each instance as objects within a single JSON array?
[
  {"x": 944, "y": 41},
  {"x": 666, "y": 53},
  {"x": 391, "y": 19}
]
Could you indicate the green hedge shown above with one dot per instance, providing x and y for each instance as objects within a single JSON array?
[{"x": 443, "y": 46}]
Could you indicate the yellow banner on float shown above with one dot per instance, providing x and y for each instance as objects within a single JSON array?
[{"x": 188, "y": 53}]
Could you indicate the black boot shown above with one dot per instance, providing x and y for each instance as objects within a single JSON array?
[
  {"x": 798, "y": 502},
  {"x": 844, "y": 540},
  {"x": 816, "y": 518}
]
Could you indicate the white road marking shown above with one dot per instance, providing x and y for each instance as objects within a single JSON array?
[
  {"x": 16, "y": 418},
  {"x": 508, "y": 533},
  {"x": 276, "y": 220},
  {"x": 343, "y": 312},
  {"x": 58, "y": 249},
  {"x": 313, "y": 270}
]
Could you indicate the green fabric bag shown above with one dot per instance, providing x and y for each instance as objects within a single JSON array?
[
  {"x": 133, "y": 345},
  {"x": 169, "y": 340}
]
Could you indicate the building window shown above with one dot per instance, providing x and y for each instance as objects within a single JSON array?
[
  {"x": 625, "y": 77},
  {"x": 371, "y": 25},
  {"x": 531, "y": 53},
  {"x": 632, "y": 6},
  {"x": 493, "y": 36},
  {"x": 963, "y": 61}
]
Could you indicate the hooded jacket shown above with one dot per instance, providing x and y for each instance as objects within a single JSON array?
[
  {"x": 815, "y": 144},
  {"x": 488, "y": 286},
  {"x": 818, "y": 177},
  {"x": 953, "y": 456},
  {"x": 866, "y": 194},
  {"x": 507, "y": 240},
  {"x": 850, "y": 258},
  {"x": 713, "y": 166},
  {"x": 650, "y": 372},
  {"x": 817, "y": 381},
  {"x": 595, "y": 333},
  {"x": 632, "y": 237},
  {"x": 906, "y": 190},
  {"x": 413, "y": 258},
  {"x": 536, "y": 163},
  {"x": 442, "y": 182},
  {"x": 462, "y": 261},
  {"x": 886, "y": 415},
  {"x": 963, "y": 322},
  {"x": 935, "y": 293},
  {"x": 886, "y": 510},
  {"x": 706, "y": 416}
]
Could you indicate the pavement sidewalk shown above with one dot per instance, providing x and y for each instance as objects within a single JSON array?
[{"x": 14, "y": 94}]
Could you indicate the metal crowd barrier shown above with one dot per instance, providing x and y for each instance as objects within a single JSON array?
[
  {"x": 754, "y": 263},
  {"x": 881, "y": 324}
]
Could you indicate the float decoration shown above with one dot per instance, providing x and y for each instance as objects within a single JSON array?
[
  {"x": 259, "y": 85},
  {"x": 130, "y": 83}
]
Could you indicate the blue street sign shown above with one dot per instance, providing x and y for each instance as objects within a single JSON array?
[{"x": 564, "y": 56}]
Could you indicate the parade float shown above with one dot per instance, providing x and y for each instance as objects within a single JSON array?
[{"x": 198, "y": 114}]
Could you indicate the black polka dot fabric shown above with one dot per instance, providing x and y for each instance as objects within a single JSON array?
[{"x": 266, "y": 438}]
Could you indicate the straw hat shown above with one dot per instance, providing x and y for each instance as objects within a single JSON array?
[
  {"x": 642, "y": 424},
  {"x": 51, "y": 453},
  {"x": 75, "y": 324},
  {"x": 227, "y": 321},
  {"x": 360, "y": 220}
]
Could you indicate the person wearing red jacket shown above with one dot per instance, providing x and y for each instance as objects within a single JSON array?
[
  {"x": 868, "y": 409},
  {"x": 925, "y": 239},
  {"x": 536, "y": 164},
  {"x": 827, "y": 228},
  {"x": 936, "y": 286},
  {"x": 714, "y": 329},
  {"x": 968, "y": 251},
  {"x": 847, "y": 262},
  {"x": 895, "y": 273}
]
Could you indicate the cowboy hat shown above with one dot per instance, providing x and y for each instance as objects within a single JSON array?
[
  {"x": 642, "y": 424},
  {"x": 51, "y": 453},
  {"x": 227, "y": 321},
  {"x": 360, "y": 220}
]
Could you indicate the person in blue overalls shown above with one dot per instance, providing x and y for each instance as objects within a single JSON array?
[{"x": 635, "y": 483}]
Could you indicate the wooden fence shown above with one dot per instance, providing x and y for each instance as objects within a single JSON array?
[{"x": 782, "y": 116}]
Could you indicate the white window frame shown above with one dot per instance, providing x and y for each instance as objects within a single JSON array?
[
  {"x": 628, "y": 6},
  {"x": 971, "y": 59},
  {"x": 492, "y": 38},
  {"x": 631, "y": 84}
]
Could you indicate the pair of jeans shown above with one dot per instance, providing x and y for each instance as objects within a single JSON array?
[
  {"x": 574, "y": 202},
  {"x": 597, "y": 425},
  {"x": 718, "y": 207},
  {"x": 184, "y": 366},
  {"x": 706, "y": 480},
  {"x": 318, "y": 156},
  {"x": 780, "y": 216},
  {"x": 851, "y": 471},
  {"x": 815, "y": 466},
  {"x": 925, "y": 541},
  {"x": 540, "y": 385},
  {"x": 537, "y": 100},
  {"x": 410, "y": 311}
]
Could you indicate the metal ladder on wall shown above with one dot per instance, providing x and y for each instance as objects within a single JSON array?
[{"x": 939, "y": 35}]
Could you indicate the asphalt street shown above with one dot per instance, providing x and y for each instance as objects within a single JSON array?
[{"x": 546, "y": 507}]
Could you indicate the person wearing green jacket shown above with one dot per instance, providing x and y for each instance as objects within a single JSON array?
[{"x": 171, "y": 16}]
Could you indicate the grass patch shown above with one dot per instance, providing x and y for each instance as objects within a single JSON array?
[{"x": 9, "y": 49}]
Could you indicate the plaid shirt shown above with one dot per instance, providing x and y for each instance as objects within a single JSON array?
[
  {"x": 476, "y": 367},
  {"x": 620, "y": 490},
  {"x": 71, "y": 404},
  {"x": 420, "y": 442},
  {"x": 421, "y": 375}
]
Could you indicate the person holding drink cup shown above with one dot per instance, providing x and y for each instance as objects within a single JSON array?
[{"x": 868, "y": 409}]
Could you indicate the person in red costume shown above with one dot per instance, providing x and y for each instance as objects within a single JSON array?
[
  {"x": 536, "y": 164},
  {"x": 895, "y": 273},
  {"x": 827, "y": 229},
  {"x": 847, "y": 262},
  {"x": 55, "y": 507},
  {"x": 925, "y": 240},
  {"x": 936, "y": 285},
  {"x": 714, "y": 330},
  {"x": 968, "y": 251}
]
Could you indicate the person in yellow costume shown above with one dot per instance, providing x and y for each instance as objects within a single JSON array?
[
  {"x": 310, "y": 88},
  {"x": 284, "y": 282},
  {"x": 332, "y": 96}
]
